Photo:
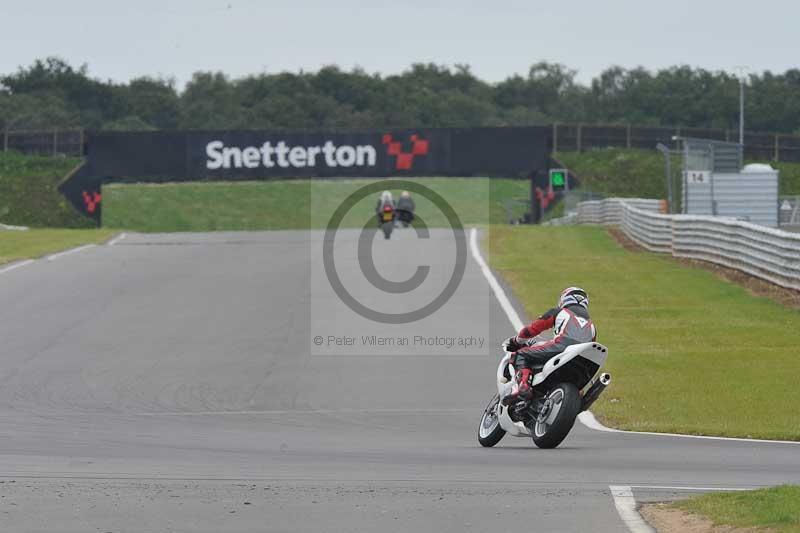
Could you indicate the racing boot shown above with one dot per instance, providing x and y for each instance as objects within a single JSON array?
[{"x": 521, "y": 390}]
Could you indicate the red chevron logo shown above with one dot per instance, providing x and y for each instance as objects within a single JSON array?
[{"x": 405, "y": 159}]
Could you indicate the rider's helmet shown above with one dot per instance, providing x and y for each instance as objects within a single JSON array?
[
  {"x": 405, "y": 194},
  {"x": 573, "y": 296}
]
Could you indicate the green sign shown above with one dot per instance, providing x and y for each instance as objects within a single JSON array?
[{"x": 558, "y": 180}]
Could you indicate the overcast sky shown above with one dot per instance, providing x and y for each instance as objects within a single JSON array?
[{"x": 174, "y": 38}]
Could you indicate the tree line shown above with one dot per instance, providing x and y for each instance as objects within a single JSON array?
[{"x": 51, "y": 93}]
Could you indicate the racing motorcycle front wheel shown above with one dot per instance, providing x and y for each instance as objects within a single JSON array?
[
  {"x": 490, "y": 432},
  {"x": 557, "y": 416}
]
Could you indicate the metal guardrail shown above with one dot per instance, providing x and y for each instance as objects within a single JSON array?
[
  {"x": 766, "y": 253},
  {"x": 8, "y": 227},
  {"x": 610, "y": 210},
  {"x": 567, "y": 220}
]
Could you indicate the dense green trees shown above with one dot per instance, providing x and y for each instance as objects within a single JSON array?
[{"x": 52, "y": 93}]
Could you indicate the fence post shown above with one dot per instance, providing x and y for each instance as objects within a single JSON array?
[
  {"x": 80, "y": 148},
  {"x": 55, "y": 143},
  {"x": 578, "y": 139},
  {"x": 555, "y": 137},
  {"x": 727, "y": 135},
  {"x": 628, "y": 135},
  {"x": 5, "y": 140},
  {"x": 777, "y": 156}
]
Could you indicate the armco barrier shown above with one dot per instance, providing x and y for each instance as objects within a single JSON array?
[
  {"x": 567, "y": 220},
  {"x": 7, "y": 227},
  {"x": 765, "y": 253},
  {"x": 610, "y": 211},
  {"x": 650, "y": 230}
]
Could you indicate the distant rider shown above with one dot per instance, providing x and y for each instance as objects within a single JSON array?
[
  {"x": 405, "y": 208},
  {"x": 385, "y": 199},
  {"x": 571, "y": 325}
]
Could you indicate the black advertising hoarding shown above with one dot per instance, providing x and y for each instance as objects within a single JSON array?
[{"x": 258, "y": 155}]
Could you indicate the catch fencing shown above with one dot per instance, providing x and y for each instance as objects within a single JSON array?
[
  {"x": 757, "y": 145},
  {"x": 562, "y": 137},
  {"x": 789, "y": 212},
  {"x": 70, "y": 143},
  {"x": 766, "y": 253}
]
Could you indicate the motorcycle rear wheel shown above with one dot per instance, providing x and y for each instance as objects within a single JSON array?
[
  {"x": 562, "y": 405},
  {"x": 489, "y": 430}
]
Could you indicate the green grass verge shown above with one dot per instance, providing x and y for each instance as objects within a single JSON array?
[
  {"x": 689, "y": 352},
  {"x": 28, "y": 195},
  {"x": 776, "y": 508},
  {"x": 16, "y": 245},
  {"x": 289, "y": 204}
]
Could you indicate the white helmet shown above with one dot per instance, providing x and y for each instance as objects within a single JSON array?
[{"x": 573, "y": 296}]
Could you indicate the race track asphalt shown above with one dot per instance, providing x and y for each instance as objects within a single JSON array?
[{"x": 171, "y": 383}]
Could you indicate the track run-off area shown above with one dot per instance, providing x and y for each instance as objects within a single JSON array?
[{"x": 170, "y": 382}]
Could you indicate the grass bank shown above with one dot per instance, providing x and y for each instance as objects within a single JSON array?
[
  {"x": 289, "y": 204},
  {"x": 28, "y": 195},
  {"x": 16, "y": 245},
  {"x": 690, "y": 353},
  {"x": 776, "y": 508},
  {"x": 620, "y": 172},
  {"x": 640, "y": 173}
]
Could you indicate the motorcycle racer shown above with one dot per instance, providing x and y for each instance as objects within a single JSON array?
[
  {"x": 571, "y": 325},
  {"x": 384, "y": 201}
]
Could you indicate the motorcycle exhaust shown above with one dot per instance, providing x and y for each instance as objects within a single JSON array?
[{"x": 595, "y": 390}]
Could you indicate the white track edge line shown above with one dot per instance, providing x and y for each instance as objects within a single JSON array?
[
  {"x": 498, "y": 291},
  {"x": 267, "y": 412},
  {"x": 623, "y": 497},
  {"x": 15, "y": 265},
  {"x": 588, "y": 419},
  {"x": 704, "y": 489},
  {"x": 626, "y": 507},
  {"x": 116, "y": 239},
  {"x": 71, "y": 251}
]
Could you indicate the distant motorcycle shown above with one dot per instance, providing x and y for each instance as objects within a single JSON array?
[
  {"x": 387, "y": 216},
  {"x": 568, "y": 384},
  {"x": 405, "y": 217}
]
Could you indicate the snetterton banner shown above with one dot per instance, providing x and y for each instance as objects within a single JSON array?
[{"x": 258, "y": 155}]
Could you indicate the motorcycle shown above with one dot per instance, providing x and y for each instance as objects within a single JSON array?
[
  {"x": 568, "y": 384},
  {"x": 387, "y": 220},
  {"x": 406, "y": 217}
]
